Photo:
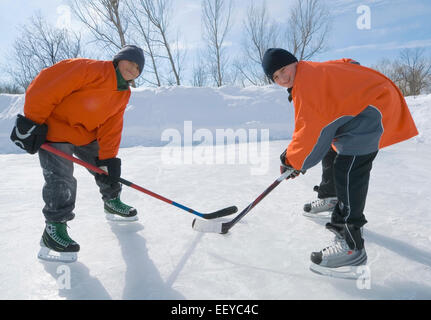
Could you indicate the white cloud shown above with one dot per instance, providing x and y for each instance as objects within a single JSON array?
[
  {"x": 388, "y": 45},
  {"x": 342, "y": 6}
]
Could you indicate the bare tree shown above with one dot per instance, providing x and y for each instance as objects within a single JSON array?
[
  {"x": 199, "y": 75},
  {"x": 216, "y": 15},
  {"x": 105, "y": 19},
  {"x": 413, "y": 71},
  {"x": 10, "y": 88},
  {"x": 386, "y": 67},
  {"x": 308, "y": 27},
  {"x": 157, "y": 12},
  {"x": 259, "y": 35},
  {"x": 392, "y": 70},
  {"x": 39, "y": 46},
  {"x": 145, "y": 30}
]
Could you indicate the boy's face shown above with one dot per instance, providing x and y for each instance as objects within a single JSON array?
[
  {"x": 128, "y": 69},
  {"x": 285, "y": 76}
]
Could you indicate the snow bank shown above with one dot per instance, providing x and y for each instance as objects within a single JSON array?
[
  {"x": 420, "y": 106},
  {"x": 10, "y": 106},
  {"x": 154, "y": 113}
]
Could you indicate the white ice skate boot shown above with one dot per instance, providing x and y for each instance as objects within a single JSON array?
[
  {"x": 345, "y": 258},
  {"x": 320, "y": 208}
]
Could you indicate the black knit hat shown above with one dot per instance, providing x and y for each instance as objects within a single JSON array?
[
  {"x": 276, "y": 58},
  {"x": 131, "y": 53}
]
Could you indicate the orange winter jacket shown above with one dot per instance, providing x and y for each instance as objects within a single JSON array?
[
  {"x": 79, "y": 101},
  {"x": 355, "y": 109}
]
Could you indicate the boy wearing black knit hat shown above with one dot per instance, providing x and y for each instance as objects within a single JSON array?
[
  {"x": 78, "y": 105},
  {"x": 344, "y": 113}
]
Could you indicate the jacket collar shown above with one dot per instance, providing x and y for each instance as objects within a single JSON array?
[
  {"x": 122, "y": 84},
  {"x": 290, "y": 94}
]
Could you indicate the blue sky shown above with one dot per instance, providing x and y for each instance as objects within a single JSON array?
[{"x": 395, "y": 24}]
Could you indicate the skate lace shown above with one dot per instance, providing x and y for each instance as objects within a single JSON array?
[
  {"x": 117, "y": 205},
  {"x": 59, "y": 234},
  {"x": 338, "y": 247},
  {"x": 320, "y": 203}
]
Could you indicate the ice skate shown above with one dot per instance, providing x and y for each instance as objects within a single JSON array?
[
  {"x": 117, "y": 211},
  {"x": 345, "y": 258},
  {"x": 320, "y": 208},
  {"x": 56, "y": 245}
]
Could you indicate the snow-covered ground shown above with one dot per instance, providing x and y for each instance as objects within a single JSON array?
[{"x": 265, "y": 256}]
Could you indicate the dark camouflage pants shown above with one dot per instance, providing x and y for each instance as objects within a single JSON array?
[{"x": 59, "y": 190}]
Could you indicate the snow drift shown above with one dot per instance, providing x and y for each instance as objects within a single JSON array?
[{"x": 151, "y": 111}]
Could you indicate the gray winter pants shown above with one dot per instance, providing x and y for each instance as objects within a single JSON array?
[{"x": 59, "y": 190}]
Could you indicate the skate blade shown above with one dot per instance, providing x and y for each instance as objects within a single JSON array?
[
  {"x": 347, "y": 272},
  {"x": 325, "y": 215},
  {"x": 47, "y": 254},
  {"x": 116, "y": 218}
]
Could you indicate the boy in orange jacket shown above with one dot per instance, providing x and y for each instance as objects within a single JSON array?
[
  {"x": 78, "y": 106},
  {"x": 344, "y": 113}
]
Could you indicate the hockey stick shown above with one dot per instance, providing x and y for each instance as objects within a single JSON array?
[
  {"x": 224, "y": 227},
  {"x": 217, "y": 214}
]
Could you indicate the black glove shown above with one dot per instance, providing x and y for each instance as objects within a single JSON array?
[
  {"x": 284, "y": 167},
  {"x": 28, "y": 135},
  {"x": 113, "y": 167}
]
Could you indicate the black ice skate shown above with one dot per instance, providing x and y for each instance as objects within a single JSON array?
[
  {"x": 116, "y": 210},
  {"x": 56, "y": 245}
]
